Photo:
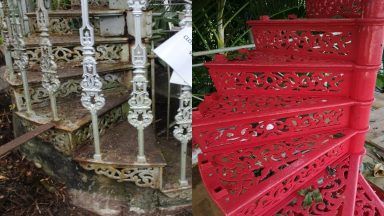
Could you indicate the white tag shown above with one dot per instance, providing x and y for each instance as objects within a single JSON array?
[{"x": 177, "y": 53}]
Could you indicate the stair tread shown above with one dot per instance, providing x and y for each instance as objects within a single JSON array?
[
  {"x": 220, "y": 108},
  {"x": 331, "y": 185},
  {"x": 71, "y": 107},
  {"x": 60, "y": 40},
  {"x": 254, "y": 59},
  {"x": 234, "y": 176},
  {"x": 72, "y": 69},
  {"x": 119, "y": 148}
]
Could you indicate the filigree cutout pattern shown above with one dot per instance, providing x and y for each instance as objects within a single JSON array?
[
  {"x": 237, "y": 133},
  {"x": 315, "y": 42},
  {"x": 240, "y": 170},
  {"x": 142, "y": 177},
  {"x": 104, "y": 53},
  {"x": 297, "y": 181},
  {"x": 217, "y": 106},
  {"x": 304, "y": 82},
  {"x": 334, "y": 9}
]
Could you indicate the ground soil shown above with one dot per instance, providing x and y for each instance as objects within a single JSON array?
[{"x": 25, "y": 189}]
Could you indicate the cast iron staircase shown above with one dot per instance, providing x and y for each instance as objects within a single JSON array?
[{"x": 284, "y": 133}]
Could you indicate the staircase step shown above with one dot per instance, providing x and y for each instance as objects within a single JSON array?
[
  {"x": 119, "y": 151},
  {"x": 70, "y": 40},
  {"x": 73, "y": 70},
  {"x": 71, "y": 112},
  {"x": 217, "y": 108},
  {"x": 224, "y": 123},
  {"x": 119, "y": 148},
  {"x": 261, "y": 60},
  {"x": 331, "y": 183},
  {"x": 268, "y": 171},
  {"x": 269, "y": 73}
]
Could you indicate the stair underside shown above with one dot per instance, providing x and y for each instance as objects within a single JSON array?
[
  {"x": 219, "y": 108},
  {"x": 332, "y": 183},
  {"x": 119, "y": 148},
  {"x": 236, "y": 176},
  {"x": 258, "y": 59},
  {"x": 71, "y": 112},
  {"x": 72, "y": 70}
]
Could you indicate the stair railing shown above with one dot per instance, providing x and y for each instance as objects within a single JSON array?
[
  {"x": 91, "y": 97},
  {"x": 140, "y": 114},
  {"x": 48, "y": 66},
  {"x": 5, "y": 34},
  {"x": 21, "y": 59},
  {"x": 183, "y": 128}
]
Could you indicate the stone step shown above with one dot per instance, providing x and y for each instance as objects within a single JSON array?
[
  {"x": 119, "y": 151},
  {"x": 74, "y": 128}
]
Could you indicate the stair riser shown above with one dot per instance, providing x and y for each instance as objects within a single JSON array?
[
  {"x": 332, "y": 39},
  {"x": 108, "y": 52},
  {"x": 68, "y": 87},
  {"x": 230, "y": 80},
  {"x": 71, "y": 25},
  {"x": 141, "y": 176},
  {"x": 250, "y": 130},
  {"x": 67, "y": 142}
]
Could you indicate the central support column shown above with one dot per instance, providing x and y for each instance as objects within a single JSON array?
[{"x": 140, "y": 114}]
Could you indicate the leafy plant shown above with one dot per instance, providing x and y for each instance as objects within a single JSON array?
[{"x": 310, "y": 195}]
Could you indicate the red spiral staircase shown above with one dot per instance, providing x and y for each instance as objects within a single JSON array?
[{"x": 284, "y": 133}]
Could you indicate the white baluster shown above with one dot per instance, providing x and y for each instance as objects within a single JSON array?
[
  {"x": 48, "y": 66},
  {"x": 183, "y": 130},
  {"x": 140, "y": 114},
  {"x": 7, "y": 40},
  {"x": 21, "y": 58},
  {"x": 91, "y": 98}
]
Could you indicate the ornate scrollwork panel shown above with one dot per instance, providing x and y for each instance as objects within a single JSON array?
[
  {"x": 250, "y": 130},
  {"x": 142, "y": 177},
  {"x": 183, "y": 130},
  {"x": 104, "y": 53}
]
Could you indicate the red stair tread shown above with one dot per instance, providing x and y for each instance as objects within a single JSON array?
[
  {"x": 227, "y": 107},
  {"x": 331, "y": 183},
  {"x": 255, "y": 59},
  {"x": 237, "y": 177}
]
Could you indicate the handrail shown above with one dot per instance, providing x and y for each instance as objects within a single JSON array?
[{"x": 24, "y": 138}]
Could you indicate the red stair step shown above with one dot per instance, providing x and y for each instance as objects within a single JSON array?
[
  {"x": 217, "y": 133},
  {"x": 219, "y": 108},
  {"x": 260, "y": 175},
  {"x": 332, "y": 184}
]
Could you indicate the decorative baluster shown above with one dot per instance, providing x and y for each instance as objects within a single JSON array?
[
  {"x": 7, "y": 39},
  {"x": 48, "y": 66},
  {"x": 140, "y": 114},
  {"x": 183, "y": 130},
  {"x": 91, "y": 98},
  {"x": 21, "y": 56}
]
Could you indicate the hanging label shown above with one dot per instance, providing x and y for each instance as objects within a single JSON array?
[{"x": 177, "y": 53}]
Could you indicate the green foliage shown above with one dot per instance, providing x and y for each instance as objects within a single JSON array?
[{"x": 310, "y": 195}]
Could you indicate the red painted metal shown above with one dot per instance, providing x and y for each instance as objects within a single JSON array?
[{"x": 292, "y": 114}]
